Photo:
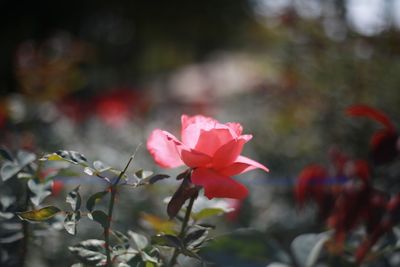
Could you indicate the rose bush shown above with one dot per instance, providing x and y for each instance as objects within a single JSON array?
[{"x": 211, "y": 149}]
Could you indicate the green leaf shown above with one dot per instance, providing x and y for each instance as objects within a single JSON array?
[
  {"x": 167, "y": 241},
  {"x": 207, "y": 212},
  {"x": 140, "y": 241},
  {"x": 100, "y": 166},
  {"x": 9, "y": 169},
  {"x": 70, "y": 222},
  {"x": 74, "y": 199},
  {"x": 94, "y": 199},
  {"x": 191, "y": 254},
  {"x": 151, "y": 179},
  {"x": 39, "y": 215},
  {"x": 122, "y": 239},
  {"x": 195, "y": 238},
  {"x": 12, "y": 237},
  {"x": 24, "y": 158},
  {"x": 5, "y": 154},
  {"x": 205, "y": 226},
  {"x": 100, "y": 217},
  {"x": 157, "y": 178},
  {"x": 148, "y": 259},
  {"x": 142, "y": 174},
  {"x": 51, "y": 157},
  {"x": 307, "y": 247},
  {"x": 124, "y": 254},
  {"x": 7, "y": 200},
  {"x": 65, "y": 155},
  {"x": 122, "y": 264},
  {"x": 40, "y": 191},
  {"x": 25, "y": 175},
  {"x": 64, "y": 173},
  {"x": 6, "y": 215},
  {"x": 90, "y": 252}
]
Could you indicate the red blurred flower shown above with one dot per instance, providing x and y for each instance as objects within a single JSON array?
[
  {"x": 346, "y": 200},
  {"x": 343, "y": 195},
  {"x": 211, "y": 149},
  {"x": 315, "y": 184},
  {"x": 57, "y": 187},
  {"x": 384, "y": 142},
  {"x": 388, "y": 216},
  {"x": 353, "y": 201},
  {"x": 351, "y": 207},
  {"x": 114, "y": 108},
  {"x": 74, "y": 108}
]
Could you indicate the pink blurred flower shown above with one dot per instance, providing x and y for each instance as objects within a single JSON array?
[{"x": 211, "y": 149}]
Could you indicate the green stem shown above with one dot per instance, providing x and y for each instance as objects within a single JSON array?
[
  {"x": 183, "y": 229},
  {"x": 113, "y": 191}
]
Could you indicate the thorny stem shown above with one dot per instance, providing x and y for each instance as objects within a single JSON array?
[
  {"x": 183, "y": 229},
  {"x": 113, "y": 191}
]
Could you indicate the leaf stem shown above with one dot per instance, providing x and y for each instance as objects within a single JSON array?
[
  {"x": 113, "y": 191},
  {"x": 183, "y": 229}
]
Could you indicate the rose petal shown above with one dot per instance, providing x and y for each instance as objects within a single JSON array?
[
  {"x": 193, "y": 158},
  {"x": 162, "y": 147},
  {"x": 229, "y": 152},
  {"x": 190, "y": 135},
  {"x": 198, "y": 119},
  {"x": 235, "y": 127},
  {"x": 210, "y": 141},
  {"x": 189, "y": 157},
  {"x": 217, "y": 185},
  {"x": 242, "y": 165},
  {"x": 192, "y": 126}
]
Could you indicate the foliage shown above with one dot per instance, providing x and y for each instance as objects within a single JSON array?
[
  {"x": 361, "y": 212},
  {"x": 117, "y": 248}
]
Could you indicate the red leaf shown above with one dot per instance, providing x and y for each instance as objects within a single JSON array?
[
  {"x": 369, "y": 112},
  {"x": 310, "y": 183}
]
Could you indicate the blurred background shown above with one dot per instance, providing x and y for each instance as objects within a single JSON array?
[{"x": 98, "y": 76}]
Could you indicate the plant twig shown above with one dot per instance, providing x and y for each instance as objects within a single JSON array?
[
  {"x": 183, "y": 229},
  {"x": 113, "y": 191}
]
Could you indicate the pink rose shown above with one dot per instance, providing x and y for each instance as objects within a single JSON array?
[{"x": 211, "y": 149}]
